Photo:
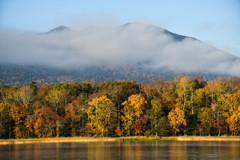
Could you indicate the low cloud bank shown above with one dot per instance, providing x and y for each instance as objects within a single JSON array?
[{"x": 130, "y": 44}]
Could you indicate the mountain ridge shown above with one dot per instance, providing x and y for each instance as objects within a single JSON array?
[
  {"x": 59, "y": 29},
  {"x": 133, "y": 51}
]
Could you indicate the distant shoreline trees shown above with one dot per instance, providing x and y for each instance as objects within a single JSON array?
[{"x": 182, "y": 106}]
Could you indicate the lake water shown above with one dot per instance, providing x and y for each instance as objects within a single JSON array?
[{"x": 134, "y": 150}]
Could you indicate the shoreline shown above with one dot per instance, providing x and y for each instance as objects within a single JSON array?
[
  {"x": 55, "y": 140},
  {"x": 115, "y": 139},
  {"x": 208, "y": 138}
]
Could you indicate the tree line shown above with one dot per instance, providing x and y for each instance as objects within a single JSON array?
[{"x": 183, "y": 106}]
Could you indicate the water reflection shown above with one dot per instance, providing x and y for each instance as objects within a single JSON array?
[
  {"x": 177, "y": 150},
  {"x": 135, "y": 150}
]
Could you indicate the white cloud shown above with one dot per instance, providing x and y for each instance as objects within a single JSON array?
[{"x": 128, "y": 44}]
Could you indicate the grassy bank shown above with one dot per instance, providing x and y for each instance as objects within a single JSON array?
[
  {"x": 208, "y": 138},
  {"x": 82, "y": 139},
  {"x": 114, "y": 139},
  {"x": 144, "y": 138},
  {"x": 56, "y": 140}
]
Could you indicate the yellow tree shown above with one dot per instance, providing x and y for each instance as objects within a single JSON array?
[
  {"x": 133, "y": 108},
  {"x": 183, "y": 89},
  {"x": 100, "y": 112},
  {"x": 230, "y": 103},
  {"x": 233, "y": 121},
  {"x": 176, "y": 119}
]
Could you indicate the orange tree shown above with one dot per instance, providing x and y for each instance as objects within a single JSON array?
[
  {"x": 43, "y": 120},
  {"x": 176, "y": 119}
]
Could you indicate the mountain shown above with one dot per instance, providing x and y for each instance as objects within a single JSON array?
[
  {"x": 133, "y": 51},
  {"x": 25, "y": 74},
  {"x": 59, "y": 29}
]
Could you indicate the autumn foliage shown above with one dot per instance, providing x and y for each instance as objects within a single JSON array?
[
  {"x": 133, "y": 109},
  {"x": 176, "y": 119},
  {"x": 183, "y": 106}
]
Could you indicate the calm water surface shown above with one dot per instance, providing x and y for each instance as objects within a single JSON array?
[{"x": 135, "y": 150}]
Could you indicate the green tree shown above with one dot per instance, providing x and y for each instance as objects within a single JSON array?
[
  {"x": 58, "y": 99},
  {"x": 155, "y": 115}
]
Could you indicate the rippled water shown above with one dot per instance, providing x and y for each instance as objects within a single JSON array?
[{"x": 134, "y": 150}]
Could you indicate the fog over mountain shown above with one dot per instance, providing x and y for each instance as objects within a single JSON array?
[{"x": 148, "y": 46}]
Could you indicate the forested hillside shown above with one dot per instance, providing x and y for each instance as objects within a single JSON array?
[
  {"x": 183, "y": 106},
  {"x": 25, "y": 74}
]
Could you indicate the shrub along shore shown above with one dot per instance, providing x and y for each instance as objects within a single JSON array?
[{"x": 116, "y": 139}]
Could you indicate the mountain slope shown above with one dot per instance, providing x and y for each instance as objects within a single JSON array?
[
  {"x": 25, "y": 74},
  {"x": 59, "y": 29},
  {"x": 134, "y": 51}
]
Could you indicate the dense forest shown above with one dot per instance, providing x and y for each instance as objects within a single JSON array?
[{"x": 183, "y": 106}]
